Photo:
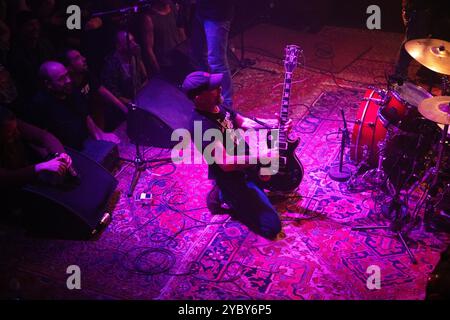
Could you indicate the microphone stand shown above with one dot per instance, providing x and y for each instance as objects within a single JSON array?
[
  {"x": 243, "y": 62},
  {"x": 139, "y": 162},
  {"x": 341, "y": 173}
]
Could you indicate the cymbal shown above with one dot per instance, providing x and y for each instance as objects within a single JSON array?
[
  {"x": 436, "y": 109},
  {"x": 431, "y": 53}
]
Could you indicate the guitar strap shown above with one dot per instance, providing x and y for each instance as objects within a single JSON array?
[{"x": 265, "y": 125}]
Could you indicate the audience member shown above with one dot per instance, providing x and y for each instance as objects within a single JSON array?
[
  {"x": 124, "y": 73},
  {"x": 88, "y": 84},
  {"x": 28, "y": 51},
  {"x": 63, "y": 112},
  {"x": 22, "y": 150},
  {"x": 8, "y": 92},
  {"x": 211, "y": 29},
  {"x": 159, "y": 35}
]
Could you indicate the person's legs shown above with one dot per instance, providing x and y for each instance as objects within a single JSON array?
[
  {"x": 418, "y": 27},
  {"x": 217, "y": 41},
  {"x": 251, "y": 205},
  {"x": 198, "y": 45}
]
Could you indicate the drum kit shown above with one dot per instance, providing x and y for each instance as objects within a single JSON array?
[{"x": 401, "y": 138}]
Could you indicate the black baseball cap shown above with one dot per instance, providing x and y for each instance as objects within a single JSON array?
[{"x": 199, "y": 81}]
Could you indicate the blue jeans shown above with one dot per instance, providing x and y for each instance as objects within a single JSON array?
[
  {"x": 250, "y": 203},
  {"x": 209, "y": 52}
]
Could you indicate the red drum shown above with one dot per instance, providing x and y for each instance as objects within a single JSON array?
[
  {"x": 408, "y": 144},
  {"x": 400, "y": 105},
  {"x": 368, "y": 131}
]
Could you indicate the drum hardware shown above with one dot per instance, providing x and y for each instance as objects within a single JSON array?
[
  {"x": 380, "y": 92},
  {"x": 365, "y": 153},
  {"x": 377, "y": 177},
  {"x": 376, "y": 100},
  {"x": 398, "y": 141},
  {"x": 384, "y": 97},
  {"x": 434, "y": 110},
  {"x": 398, "y": 209},
  {"x": 443, "y": 201},
  {"x": 416, "y": 162},
  {"x": 406, "y": 138},
  {"x": 445, "y": 86},
  {"x": 364, "y": 163}
]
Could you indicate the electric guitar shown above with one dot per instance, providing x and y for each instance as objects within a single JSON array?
[{"x": 290, "y": 172}]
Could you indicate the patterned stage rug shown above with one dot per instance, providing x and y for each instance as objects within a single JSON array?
[{"x": 174, "y": 248}]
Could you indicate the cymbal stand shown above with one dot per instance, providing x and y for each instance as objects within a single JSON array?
[{"x": 431, "y": 176}]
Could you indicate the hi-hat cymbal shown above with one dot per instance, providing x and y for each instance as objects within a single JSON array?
[
  {"x": 431, "y": 53},
  {"x": 436, "y": 109}
]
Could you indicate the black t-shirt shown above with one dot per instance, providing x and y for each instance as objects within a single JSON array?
[
  {"x": 166, "y": 36},
  {"x": 90, "y": 85},
  {"x": 225, "y": 121},
  {"x": 66, "y": 119},
  {"x": 217, "y": 10}
]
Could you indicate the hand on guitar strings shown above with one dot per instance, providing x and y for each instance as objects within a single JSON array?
[{"x": 287, "y": 126}]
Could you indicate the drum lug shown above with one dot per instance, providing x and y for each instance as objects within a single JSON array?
[{"x": 365, "y": 153}]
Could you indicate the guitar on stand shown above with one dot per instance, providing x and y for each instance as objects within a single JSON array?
[{"x": 290, "y": 172}]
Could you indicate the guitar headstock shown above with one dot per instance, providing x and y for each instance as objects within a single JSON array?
[{"x": 291, "y": 57}]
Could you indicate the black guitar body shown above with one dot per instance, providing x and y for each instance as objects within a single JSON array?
[{"x": 290, "y": 173}]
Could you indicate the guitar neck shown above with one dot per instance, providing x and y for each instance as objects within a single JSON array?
[{"x": 284, "y": 112}]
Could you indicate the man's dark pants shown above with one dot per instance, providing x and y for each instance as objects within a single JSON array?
[{"x": 250, "y": 203}]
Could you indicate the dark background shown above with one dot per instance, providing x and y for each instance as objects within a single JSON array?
[{"x": 311, "y": 15}]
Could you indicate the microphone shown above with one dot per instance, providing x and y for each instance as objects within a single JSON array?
[
  {"x": 73, "y": 172},
  {"x": 73, "y": 176}
]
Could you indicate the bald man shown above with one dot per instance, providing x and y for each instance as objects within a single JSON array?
[{"x": 63, "y": 112}]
